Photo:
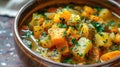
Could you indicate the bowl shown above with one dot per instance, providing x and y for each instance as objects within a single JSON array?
[{"x": 30, "y": 58}]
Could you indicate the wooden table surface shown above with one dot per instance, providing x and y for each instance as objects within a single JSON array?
[{"x": 8, "y": 55}]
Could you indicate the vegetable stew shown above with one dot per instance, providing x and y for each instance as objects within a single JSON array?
[{"x": 73, "y": 34}]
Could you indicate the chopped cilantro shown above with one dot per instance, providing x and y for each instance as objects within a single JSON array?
[
  {"x": 68, "y": 60},
  {"x": 77, "y": 44},
  {"x": 78, "y": 20},
  {"x": 111, "y": 23},
  {"x": 64, "y": 34},
  {"x": 119, "y": 25},
  {"x": 62, "y": 25},
  {"x": 30, "y": 46},
  {"x": 99, "y": 27},
  {"x": 28, "y": 34},
  {"x": 73, "y": 40},
  {"x": 44, "y": 34},
  {"x": 82, "y": 17}
]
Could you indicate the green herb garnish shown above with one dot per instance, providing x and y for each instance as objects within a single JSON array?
[
  {"x": 62, "y": 25},
  {"x": 68, "y": 60},
  {"x": 30, "y": 46},
  {"x": 77, "y": 44},
  {"x": 111, "y": 23},
  {"x": 99, "y": 27},
  {"x": 118, "y": 25},
  {"x": 73, "y": 40}
]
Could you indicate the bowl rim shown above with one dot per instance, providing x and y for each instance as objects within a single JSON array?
[{"x": 17, "y": 36}]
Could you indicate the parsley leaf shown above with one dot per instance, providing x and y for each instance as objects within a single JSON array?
[
  {"x": 99, "y": 27},
  {"x": 62, "y": 25},
  {"x": 111, "y": 23},
  {"x": 73, "y": 40}
]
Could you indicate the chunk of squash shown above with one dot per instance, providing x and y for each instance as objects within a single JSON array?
[
  {"x": 89, "y": 10},
  {"x": 58, "y": 40},
  {"x": 37, "y": 30},
  {"x": 95, "y": 18},
  {"x": 56, "y": 18},
  {"x": 110, "y": 55},
  {"x": 66, "y": 15}
]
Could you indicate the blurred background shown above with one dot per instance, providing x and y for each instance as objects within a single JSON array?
[
  {"x": 11, "y": 7},
  {"x": 8, "y": 11}
]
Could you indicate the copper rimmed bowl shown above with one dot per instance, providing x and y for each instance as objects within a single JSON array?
[{"x": 33, "y": 60}]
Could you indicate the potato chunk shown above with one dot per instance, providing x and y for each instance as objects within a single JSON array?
[
  {"x": 54, "y": 55},
  {"x": 81, "y": 48},
  {"x": 84, "y": 30},
  {"x": 56, "y": 33},
  {"x": 117, "y": 38},
  {"x": 103, "y": 39},
  {"x": 45, "y": 42},
  {"x": 42, "y": 51},
  {"x": 73, "y": 19},
  {"x": 105, "y": 13}
]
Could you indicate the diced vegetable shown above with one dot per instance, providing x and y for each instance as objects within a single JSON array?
[
  {"x": 103, "y": 39},
  {"x": 105, "y": 13},
  {"x": 89, "y": 10},
  {"x": 73, "y": 20},
  {"x": 63, "y": 47},
  {"x": 110, "y": 55},
  {"x": 37, "y": 31},
  {"x": 42, "y": 51},
  {"x": 36, "y": 20},
  {"x": 84, "y": 30},
  {"x": 73, "y": 34},
  {"x": 47, "y": 24},
  {"x": 45, "y": 42},
  {"x": 54, "y": 55},
  {"x": 95, "y": 18},
  {"x": 50, "y": 15},
  {"x": 65, "y": 14},
  {"x": 56, "y": 18},
  {"x": 57, "y": 39},
  {"x": 117, "y": 38},
  {"x": 81, "y": 48}
]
